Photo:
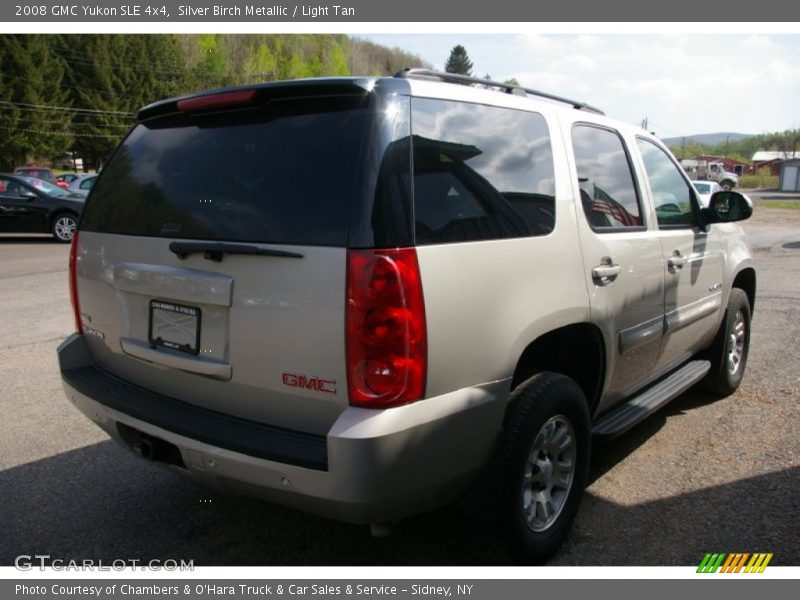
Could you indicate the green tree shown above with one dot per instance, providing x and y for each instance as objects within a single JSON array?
[
  {"x": 13, "y": 138},
  {"x": 105, "y": 88},
  {"x": 458, "y": 62},
  {"x": 34, "y": 115},
  {"x": 111, "y": 77},
  {"x": 98, "y": 82},
  {"x": 211, "y": 69},
  {"x": 335, "y": 60},
  {"x": 261, "y": 65}
]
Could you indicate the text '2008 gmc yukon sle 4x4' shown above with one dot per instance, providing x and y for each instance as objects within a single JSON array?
[{"x": 354, "y": 296}]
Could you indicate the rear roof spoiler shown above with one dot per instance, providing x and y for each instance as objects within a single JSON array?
[{"x": 255, "y": 94}]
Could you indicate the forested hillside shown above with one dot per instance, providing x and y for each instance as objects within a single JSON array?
[
  {"x": 78, "y": 93},
  {"x": 740, "y": 149}
]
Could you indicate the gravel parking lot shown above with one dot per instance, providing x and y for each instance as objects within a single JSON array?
[{"x": 701, "y": 475}]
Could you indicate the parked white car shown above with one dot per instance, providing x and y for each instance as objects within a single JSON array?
[{"x": 704, "y": 191}]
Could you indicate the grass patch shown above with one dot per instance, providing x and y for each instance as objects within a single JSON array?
[
  {"x": 788, "y": 204},
  {"x": 762, "y": 181}
]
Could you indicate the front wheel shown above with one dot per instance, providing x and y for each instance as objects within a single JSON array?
[
  {"x": 546, "y": 448},
  {"x": 63, "y": 227},
  {"x": 726, "y": 185},
  {"x": 728, "y": 353}
]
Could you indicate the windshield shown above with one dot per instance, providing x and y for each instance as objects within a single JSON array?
[
  {"x": 46, "y": 187},
  {"x": 40, "y": 173},
  {"x": 703, "y": 188}
]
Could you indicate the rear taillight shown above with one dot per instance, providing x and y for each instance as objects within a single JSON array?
[
  {"x": 73, "y": 282},
  {"x": 385, "y": 323}
]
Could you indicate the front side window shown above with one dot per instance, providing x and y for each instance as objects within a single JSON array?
[
  {"x": 672, "y": 195},
  {"x": 480, "y": 173},
  {"x": 608, "y": 193}
]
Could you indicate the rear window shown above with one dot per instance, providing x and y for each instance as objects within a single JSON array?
[
  {"x": 280, "y": 174},
  {"x": 38, "y": 173}
]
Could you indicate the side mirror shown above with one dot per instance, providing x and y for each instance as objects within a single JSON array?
[
  {"x": 29, "y": 195},
  {"x": 727, "y": 207}
]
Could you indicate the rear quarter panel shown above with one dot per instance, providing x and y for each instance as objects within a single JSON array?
[{"x": 486, "y": 301}]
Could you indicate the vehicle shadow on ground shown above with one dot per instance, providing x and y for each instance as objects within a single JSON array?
[
  {"x": 606, "y": 455},
  {"x": 101, "y": 502},
  {"x": 757, "y": 514}
]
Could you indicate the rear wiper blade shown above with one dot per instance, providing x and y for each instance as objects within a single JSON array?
[{"x": 215, "y": 250}]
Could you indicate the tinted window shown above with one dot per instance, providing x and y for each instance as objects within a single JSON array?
[
  {"x": 672, "y": 195},
  {"x": 38, "y": 173},
  {"x": 480, "y": 173},
  {"x": 282, "y": 174},
  {"x": 45, "y": 186},
  {"x": 12, "y": 188},
  {"x": 703, "y": 188},
  {"x": 608, "y": 192}
]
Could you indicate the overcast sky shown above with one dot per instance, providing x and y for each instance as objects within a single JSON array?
[{"x": 683, "y": 83}]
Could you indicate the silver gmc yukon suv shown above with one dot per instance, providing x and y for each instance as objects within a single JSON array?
[{"x": 357, "y": 296}]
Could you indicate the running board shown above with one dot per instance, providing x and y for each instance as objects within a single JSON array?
[{"x": 635, "y": 410}]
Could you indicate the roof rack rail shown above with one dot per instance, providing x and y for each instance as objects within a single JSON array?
[{"x": 509, "y": 89}]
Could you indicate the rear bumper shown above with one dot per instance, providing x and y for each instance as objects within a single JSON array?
[{"x": 372, "y": 466}]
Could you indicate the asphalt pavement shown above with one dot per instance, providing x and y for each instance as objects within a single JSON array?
[{"x": 699, "y": 476}]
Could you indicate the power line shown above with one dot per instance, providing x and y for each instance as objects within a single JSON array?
[
  {"x": 64, "y": 133},
  {"x": 46, "y": 112},
  {"x": 76, "y": 123},
  {"x": 70, "y": 114},
  {"x": 88, "y": 59},
  {"x": 67, "y": 109},
  {"x": 63, "y": 85}
]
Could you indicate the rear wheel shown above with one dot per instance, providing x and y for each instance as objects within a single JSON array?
[
  {"x": 63, "y": 227},
  {"x": 726, "y": 185},
  {"x": 546, "y": 447},
  {"x": 728, "y": 353}
]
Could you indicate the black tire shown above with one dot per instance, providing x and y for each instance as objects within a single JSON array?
[
  {"x": 724, "y": 377},
  {"x": 63, "y": 226},
  {"x": 546, "y": 400},
  {"x": 727, "y": 185}
]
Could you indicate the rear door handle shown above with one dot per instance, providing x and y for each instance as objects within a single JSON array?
[
  {"x": 676, "y": 262},
  {"x": 606, "y": 272}
]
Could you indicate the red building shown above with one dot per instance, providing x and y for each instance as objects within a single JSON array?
[
  {"x": 772, "y": 160},
  {"x": 730, "y": 164}
]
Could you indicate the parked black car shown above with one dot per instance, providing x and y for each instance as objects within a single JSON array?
[{"x": 31, "y": 205}]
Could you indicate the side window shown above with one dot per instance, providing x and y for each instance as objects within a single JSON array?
[
  {"x": 480, "y": 173},
  {"x": 672, "y": 195},
  {"x": 87, "y": 184},
  {"x": 11, "y": 188},
  {"x": 608, "y": 192}
]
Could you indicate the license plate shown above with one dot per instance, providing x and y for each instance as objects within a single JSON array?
[{"x": 175, "y": 326}]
